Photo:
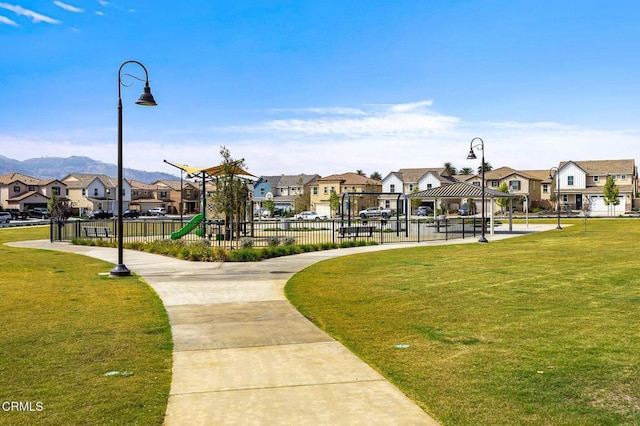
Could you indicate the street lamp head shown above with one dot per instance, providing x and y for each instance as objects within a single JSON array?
[
  {"x": 472, "y": 155},
  {"x": 146, "y": 99}
]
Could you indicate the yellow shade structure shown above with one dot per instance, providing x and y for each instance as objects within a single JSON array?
[{"x": 213, "y": 171}]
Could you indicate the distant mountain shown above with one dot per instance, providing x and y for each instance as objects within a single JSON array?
[{"x": 58, "y": 167}]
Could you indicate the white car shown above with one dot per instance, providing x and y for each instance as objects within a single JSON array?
[
  {"x": 157, "y": 211},
  {"x": 308, "y": 215},
  {"x": 5, "y": 217}
]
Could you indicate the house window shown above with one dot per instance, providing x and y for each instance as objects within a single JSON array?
[
  {"x": 494, "y": 183},
  {"x": 16, "y": 188},
  {"x": 569, "y": 180},
  {"x": 95, "y": 192},
  {"x": 333, "y": 189},
  {"x": 514, "y": 185},
  {"x": 55, "y": 190},
  {"x": 623, "y": 177},
  {"x": 410, "y": 187},
  {"x": 614, "y": 177},
  {"x": 84, "y": 192},
  {"x": 315, "y": 190},
  {"x": 164, "y": 195},
  {"x": 32, "y": 188},
  {"x": 596, "y": 178},
  {"x": 429, "y": 185},
  {"x": 262, "y": 192},
  {"x": 392, "y": 188},
  {"x": 325, "y": 190},
  {"x": 565, "y": 198},
  {"x": 545, "y": 188}
]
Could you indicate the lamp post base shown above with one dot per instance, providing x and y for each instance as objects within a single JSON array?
[
  {"x": 483, "y": 240},
  {"x": 120, "y": 271},
  {"x": 558, "y": 227}
]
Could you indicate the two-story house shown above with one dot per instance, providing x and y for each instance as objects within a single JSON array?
[
  {"x": 584, "y": 182},
  {"x": 321, "y": 189},
  {"x": 527, "y": 183},
  {"x": 412, "y": 180},
  {"x": 286, "y": 190},
  {"x": 88, "y": 192},
  {"x": 19, "y": 191}
]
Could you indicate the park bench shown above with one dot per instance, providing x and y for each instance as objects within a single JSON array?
[
  {"x": 96, "y": 232},
  {"x": 355, "y": 231}
]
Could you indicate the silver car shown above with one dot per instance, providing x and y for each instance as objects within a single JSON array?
[{"x": 5, "y": 217}]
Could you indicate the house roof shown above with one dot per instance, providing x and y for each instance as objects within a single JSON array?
[
  {"x": 604, "y": 167},
  {"x": 504, "y": 172},
  {"x": 14, "y": 177},
  {"x": 82, "y": 180},
  {"x": 460, "y": 190},
  {"x": 294, "y": 180},
  {"x": 350, "y": 178}
]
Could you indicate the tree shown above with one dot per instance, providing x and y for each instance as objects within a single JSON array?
[
  {"x": 503, "y": 201},
  {"x": 611, "y": 194},
  {"x": 231, "y": 192},
  {"x": 59, "y": 211},
  {"x": 587, "y": 205},
  {"x": 448, "y": 167},
  {"x": 359, "y": 172},
  {"x": 334, "y": 203},
  {"x": 376, "y": 176},
  {"x": 302, "y": 200},
  {"x": 487, "y": 168},
  {"x": 415, "y": 201},
  {"x": 465, "y": 171},
  {"x": 270, "y": 205}
]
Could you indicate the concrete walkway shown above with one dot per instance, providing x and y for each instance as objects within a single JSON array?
[{"x": 244, "y": 356}]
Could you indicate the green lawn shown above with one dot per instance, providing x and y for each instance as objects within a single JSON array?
[
  {"x": 64, "y": 327},
  {"x": 540, "y": 329}
]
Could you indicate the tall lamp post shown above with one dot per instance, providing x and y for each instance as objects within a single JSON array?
[
  {"x": 472, "y": 156},
  {"x": 146, "y": 99},
  {"x": 557, "y": 192}
]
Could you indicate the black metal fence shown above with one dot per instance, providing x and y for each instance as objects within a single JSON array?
[{"x": 265, "y": 232}]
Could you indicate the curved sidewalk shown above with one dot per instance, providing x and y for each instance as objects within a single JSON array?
[{"x": 244, "y": 356}]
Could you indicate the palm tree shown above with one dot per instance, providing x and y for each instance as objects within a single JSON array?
[
  {"x": 360, "y": 172},
  {"x": 487, "y": 167},
  {"x": 449, "y": 168},
  {"x": 465, "y": 171},
  {"x": 376, "y": 176}
]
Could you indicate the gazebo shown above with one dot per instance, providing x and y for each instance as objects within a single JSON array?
[{"x": 463, "y": 190}]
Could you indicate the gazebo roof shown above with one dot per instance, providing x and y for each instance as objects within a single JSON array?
[{"x": 461, "y": 190}]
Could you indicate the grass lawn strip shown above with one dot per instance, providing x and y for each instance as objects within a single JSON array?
[
  {"x": 540, "y": 329},
  {"x": 90, "y": 349}
]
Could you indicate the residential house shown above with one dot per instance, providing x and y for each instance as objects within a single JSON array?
[
  {"x": 408, "y": 181},
  {"x": 285, "y": 190},
  {"x": 19, "y": 191},
  {"x": 322, "y": 188},
  {"x": 88, "y": 192},
  {"x": 528, "y": 184},
  {"x": 583, "y": 182}
]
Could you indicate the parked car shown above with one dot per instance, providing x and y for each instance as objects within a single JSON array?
[
  {"x": 39, "y": 212},
  {"x": 309, "y": 215},
  {"x": 100, "y": 214},
  {"x": 5, "y": 217},
  {"x": 131, "y": 214},
  {"x": 424, "y": 211},
  {"x": 157, "y": 211},
  {"x": 375, "y": 212},
  {"x": 17, "y": 214},
  {"x": 464, "y": 210}
]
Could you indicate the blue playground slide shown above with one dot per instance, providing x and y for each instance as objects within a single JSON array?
[{"x": 190, "y": 226}]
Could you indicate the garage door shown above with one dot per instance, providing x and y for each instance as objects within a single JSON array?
[{"x": 600, "y": 208}]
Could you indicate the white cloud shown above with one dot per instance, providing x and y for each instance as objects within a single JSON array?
[
  {"x": 7, "y": 21},
  {"x": 35, "y": 17},
  {"x": 382, "y": 139},
  {"x": 68, "y": 7}
]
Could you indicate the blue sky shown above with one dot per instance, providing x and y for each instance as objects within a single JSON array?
[{"x": 322, "y": 86}]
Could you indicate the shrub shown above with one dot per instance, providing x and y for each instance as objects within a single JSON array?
[
  {"x": 246, "y": 242},
  {"x": 288, "y": 241},
  {"x": 273, "y": 241}
]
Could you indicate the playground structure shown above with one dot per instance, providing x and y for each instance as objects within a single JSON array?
[{"x": 198, "y": 223}]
